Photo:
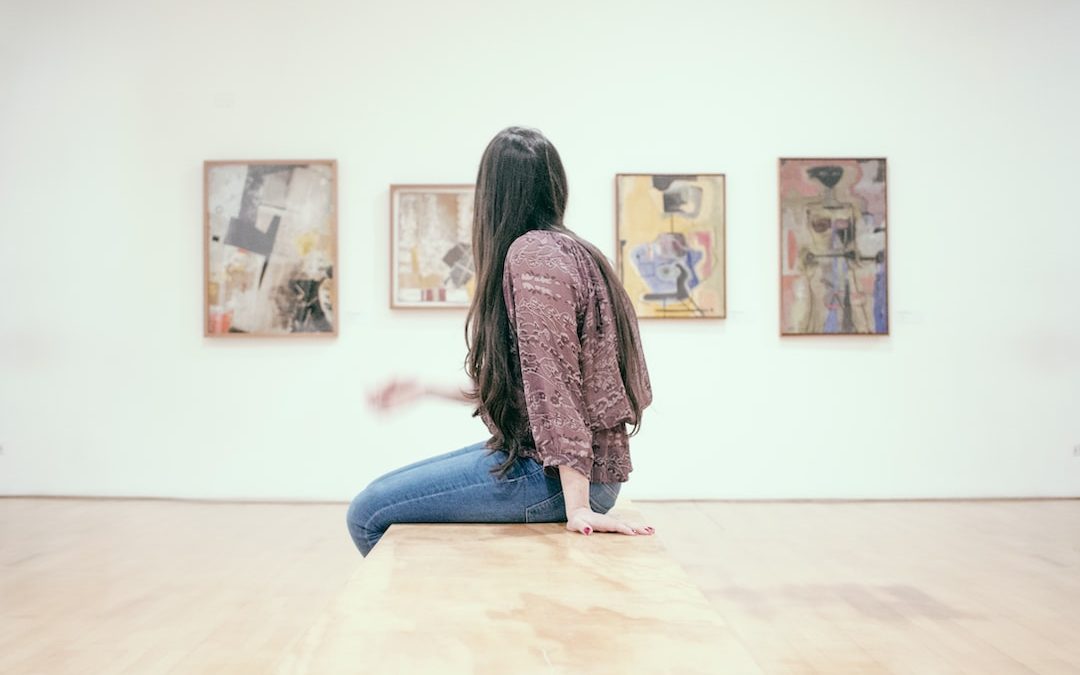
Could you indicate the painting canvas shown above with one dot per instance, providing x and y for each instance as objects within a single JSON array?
[
  {"x": 670, "y": 231},
  {"x": 833, "y": 241},
  {"x": 431, "y": 246},
  {"x": 270, "y": 248}
]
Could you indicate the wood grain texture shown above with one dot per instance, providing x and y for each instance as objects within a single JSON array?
[
  {"x": 935, "y": 587},
  {"x": 142, "y": 587},
  {"x": 517, "y": 598},
  {"x": 949, "y": 587}
]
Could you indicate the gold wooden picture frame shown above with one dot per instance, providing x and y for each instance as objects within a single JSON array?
[
  {"x": 270, "y": 248},
  {"x": 431, "y": 260}
]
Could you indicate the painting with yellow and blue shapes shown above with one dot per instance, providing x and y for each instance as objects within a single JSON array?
[{"x": 670, "y": 231}]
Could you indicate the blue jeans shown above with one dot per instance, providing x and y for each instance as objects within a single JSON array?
[{"x": 458, "y": 487}]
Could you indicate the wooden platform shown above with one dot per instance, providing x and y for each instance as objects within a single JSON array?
[
  {"x": 494, "y": 599},
  {"x": 842, "y": 588}
]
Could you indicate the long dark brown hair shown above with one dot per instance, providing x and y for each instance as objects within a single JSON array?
[{"x": 521, "y": 186}]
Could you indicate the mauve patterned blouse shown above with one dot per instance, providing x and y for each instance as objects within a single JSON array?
[{"x": 564, "y": 335}]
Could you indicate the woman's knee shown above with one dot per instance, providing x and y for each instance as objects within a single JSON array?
[{"x": 360, "y": 518}]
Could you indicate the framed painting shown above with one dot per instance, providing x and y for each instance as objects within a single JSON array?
[
  {"x": 833, "y": 247},
  {"x": 670, "y": 244},
  {"x": 270, "y": 248},
  {"x": 431, "y": 261}
]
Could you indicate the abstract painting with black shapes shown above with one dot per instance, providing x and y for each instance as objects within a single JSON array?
[
  {"x": 271, "y": 248},
  {"x": 833, "y": 241}
]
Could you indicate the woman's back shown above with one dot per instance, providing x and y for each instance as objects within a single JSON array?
[{"x": 565, "y": 339}]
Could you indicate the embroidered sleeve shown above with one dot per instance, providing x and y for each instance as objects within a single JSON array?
[{"x": 542, "y": 301}]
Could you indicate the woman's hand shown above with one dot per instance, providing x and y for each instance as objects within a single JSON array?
[
  {"x": 587, "y": 521},
  {"x": 396, "y": 393},
  {"x": 402, "y": 391}
]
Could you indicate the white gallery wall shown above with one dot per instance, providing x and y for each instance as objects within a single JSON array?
[{"x": 108, "y": 109}]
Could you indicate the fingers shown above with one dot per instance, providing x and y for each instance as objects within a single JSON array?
[
  {"x": 376, "y": 400},
  {"x": 577, "y": 524},
  {"x": 632, "y": 529},
  {"x": 380, "y": 399},
  {"x": 593, "y": 522},
  {"x": 393, "y": 394}
]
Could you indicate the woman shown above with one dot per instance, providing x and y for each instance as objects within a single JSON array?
[{"x": 556, "y": 367}]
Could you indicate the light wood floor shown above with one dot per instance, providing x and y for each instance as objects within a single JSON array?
[
  {"x": 99, "y": 586},
  {"x": 985, "y": 588}
]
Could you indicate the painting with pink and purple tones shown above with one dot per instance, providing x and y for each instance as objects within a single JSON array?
[{"x": 833, "y": 247}]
